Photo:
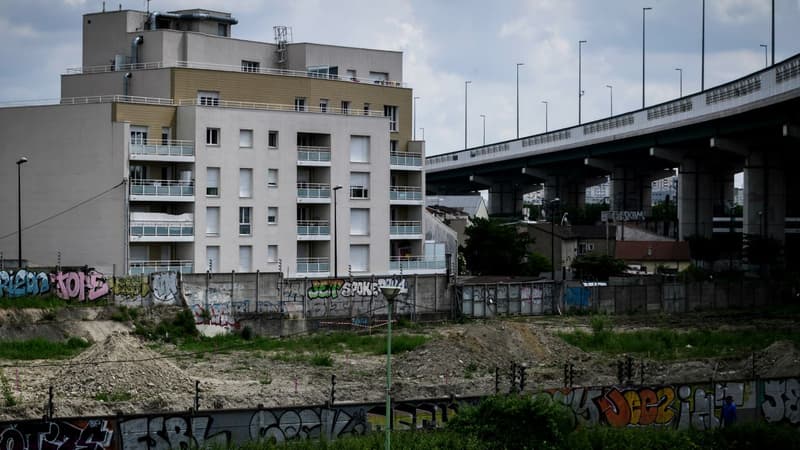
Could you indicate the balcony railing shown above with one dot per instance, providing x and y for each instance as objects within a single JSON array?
[
  {"x": 313, "y": 265},
  {"x": 313, "y": 190},
  {"x": 307, "y": 153},
  {"x": 158, "y": 147},
  {"x": 406, "y": 159},
  {"x": 162, "y": 229},
  {"x": 416, "y": 263},
  {"x": 313, "y": 228},
  {"x": 405, "y": 227},
  {"x": 405, "y": 193},
  {"x": 148, "y": 267},
  {"x": 162, "y": 188}
]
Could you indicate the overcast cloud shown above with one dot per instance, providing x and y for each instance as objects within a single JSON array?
[{"x": 446, "y": 42}]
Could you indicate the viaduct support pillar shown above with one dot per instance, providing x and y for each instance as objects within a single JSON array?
[
  {"x": 505, "y": 199},
  {"x": 695, "y": 199},
  {"x": 765, "y": 196},
  {"x": 631, "y": 190}
]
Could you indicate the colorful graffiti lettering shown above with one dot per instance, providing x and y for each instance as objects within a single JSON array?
[
  {"x": 22, "y": 282},
  {"x": 352, "y": 288},
  {"x": 285, "y": 425},
  {"x": 133, "y": 290},
  {"x": 57, "y": 435},
  {"x": 170, "y": 432},
  {"x": 164, "y": 286},
  {"x": 411, "y": 416},
  {"x": 218, "y": 314},
  {"x": 324, "y": 289},
  {"x": 79, "y": 285}
]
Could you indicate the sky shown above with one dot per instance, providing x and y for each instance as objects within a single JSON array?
[{"x": 448, "y": 42}]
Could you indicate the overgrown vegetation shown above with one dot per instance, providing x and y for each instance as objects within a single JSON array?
[
  {"x": 496, "y": 248},
  {"x": 8, "y": 395},
  {"x": 597, "y": 267},
  {"x": 113, "y": 396},
  {"x": 125, "y": 314},
  {"x": 174, "y": 330},
  {"x": 39, "y": 348}
]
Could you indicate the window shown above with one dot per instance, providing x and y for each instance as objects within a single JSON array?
[
  {"x": 250, "y": 66},
  {"x": 393, "y": 146},
  {"x": 359, "y": 185},
  {"x": 222, "y": 30},
  {"x": 272, "y": 139},
  {"x": 138, "y": 135},
  {"x": 166, "y": 133},
  {"x": 272, "y": 253},
  {"x": 245, "y": 183},
  {"x": 323, "y": 71},
  {"x": 366, "y": 109},
  {"x": 359, "y": 149},
  {"x": 351, "y": 73},
  {"x": 245, "y": 258},
  {"x": 212, "y": 182},
  {"x": 212, "y": 221},
  {"x": 379, "y": 77},
  {"x": 212, "y": 257},
  {"x": 391, "y": 112},
  {"x": 245, "y": 138},
  {"x": 208, "y": 98},
  {"x": 272, "y": 178},
  {"x": 272, "y": 215},
  {"x": 245, "y": 225},
  {"x": 359, "y": 221},
  {"x": 300, "y": 104},
  {"x": 212, "y": 136},
  {"x": 323, "y": 105},
  {"x": 345, "y": 107},
  {"x": 359, "y": 258}
]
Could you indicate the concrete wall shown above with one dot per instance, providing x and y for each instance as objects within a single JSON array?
[
  {"x": 363, "y": 61},
  {"x": 144, "y": 83}
]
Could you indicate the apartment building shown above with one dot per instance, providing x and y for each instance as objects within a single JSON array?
[{"x": 179, "y": 147}]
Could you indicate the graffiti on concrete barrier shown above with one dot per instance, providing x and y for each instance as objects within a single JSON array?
[
  {"x": 164, "y": 286},
  {"x": 217, "y": 314},
  {"x": 132, "y": 290},
  {"x": 79, "y": 285},
  {"x": 324, "y": 289},
  {"x": 352, "y": 288},
  {"x": 57, "y": 435},
  {"x": 413, "y": 415},
  {"x": 171, "y": 432},
  {"x": 23, "y": 282},
  {"x": 782, "y": 401},
  {"x": 315, "y": 423}
]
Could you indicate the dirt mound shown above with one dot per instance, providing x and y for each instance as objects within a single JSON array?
[{"x": 781, "y": 359}]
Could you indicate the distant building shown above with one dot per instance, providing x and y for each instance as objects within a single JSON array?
[
  {"x": 649, "y": 256},
  {"x": 564, "y": 243}
]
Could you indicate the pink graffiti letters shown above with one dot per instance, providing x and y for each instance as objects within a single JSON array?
[
  {"x": 79, "y": 285},
  {"x": 23, "y": 282}
]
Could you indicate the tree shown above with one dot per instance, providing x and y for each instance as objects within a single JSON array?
[
  {"x": 597, "y": 267},
  {"x": 495, "y": 248}
]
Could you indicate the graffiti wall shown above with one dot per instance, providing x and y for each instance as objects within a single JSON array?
[{"x": 89, "y": 434}]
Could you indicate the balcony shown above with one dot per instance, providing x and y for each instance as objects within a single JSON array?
[
  {"x": 313, "y": 193},
  {"x": 162, "y": 190},
  {"x": 409, "y": 194},
  {"x": 162, "y": 150},
  {"x": 419, "y": 264},
  {"x": 405, "y": 228},
  {"x": 314, "y": 265},
  {"x": 310, "y": 230},
  {"x": 162, "y": 231},
  {"x": 313, "y": 156},
  {"x": 406, "y": 161},
  {"x": 148, "y": 267}
]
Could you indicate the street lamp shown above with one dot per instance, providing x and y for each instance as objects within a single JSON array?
[
  {"x": 20, "y": 162},
  {"x": 643, "y": 11},
  {"x": 580, "y": 91},
  {"x": 765, "y": 46},
  {"x": 335, "y": 235},
  {"x": 423, "y": 132},
  {"x": 484, "y": 128},
  {"x": 415, "y": 118},
  {"x": 703, "y": 51},
  {"x": 389, "y": 292},
  {"x": 610, "y": 99},
  {"x": 466, "y": 83},
  {"x": 545, "y": 115},
  {"x": 518, "y": 64},
  {"x": 680, "y": 81},
  {"x": 552, "y": 204}
]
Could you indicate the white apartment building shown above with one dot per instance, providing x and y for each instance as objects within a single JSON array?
[{"x": 178, "y": 147}]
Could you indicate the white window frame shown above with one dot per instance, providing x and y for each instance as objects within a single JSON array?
[
  {"x": 390, "y": 111},
  {"x": 213, "y": 136},
  {"x": 212, "y": 264},
  {"x": 355, "y": 265},
  {"x": 215, "y": 178},
  {"x": 361, "y": 190},
  {"x": 246, "y": 220},
  {"x": 299, "y": 103},
  {"x": 323, "y": 105},
  {"x": 272, "y": 215},
  {"x": 356, "y": 216},
  {"x": 248, "y": 250},
  {"x": 245, "y": 182},
  {"x": 212, "y": 220},
  {"x": 272, "y": 253},
  {"x": 270, "y": 135},
  {"x": 251, "y": 66},
  {"x": 208, "y": 98},
  {"x": 359, "y": 151},
  {"x": 138, "y": 134},
  {"x": 272, "y": 182},
  {"x": 245, "y": 138},
  {"x": 345, "y": 109}
]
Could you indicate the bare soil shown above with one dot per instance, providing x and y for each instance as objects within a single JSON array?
[{"x": 459, "y": 359}]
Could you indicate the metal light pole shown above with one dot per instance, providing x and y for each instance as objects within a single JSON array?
[
  {"x": 335, "y": 235},
  {"x": 484, "y": 128},
  {"x": 553, "y": 237},
  {"x": 610, "y": 99},
  {"x": 389, "y": 292},
  {"x": 580, "y": 90},
  {"x": 773, "y": 32},
  {"x": 20, "y": 162},
  {"x": 423, "y": 132},
  {"x": 545, "y": 115},
  {"x": 518, "y": 64},
  {"x": 680, "y": 81},
  {"x": 703, "y": 51},
  {"x": 415, "y": 118},
  {"x": 643, "y": 29},
  {"x": 766, "y": 63},
  {"x": 466, "y": 83}
]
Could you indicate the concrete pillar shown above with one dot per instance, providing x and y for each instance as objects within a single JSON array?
[
  {"x": 723, "y": 193},
  {"x": 631, "y": 190},
  {"x": 505, "y": 199},
  {"x": 576, "y": 194},
  {"x": 765, "y": 196},
  {"x": 695, "y": 200}
]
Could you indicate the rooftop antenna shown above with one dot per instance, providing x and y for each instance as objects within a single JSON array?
[
  {"x": 148, "y": 7},
  {"x": 283, "y": 36}
]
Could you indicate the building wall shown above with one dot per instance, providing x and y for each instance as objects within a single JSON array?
[
  {"x": 75, "y": 153},
  {"x": 151, "y": 116},
  {"x": 106, "y": 35},
  {"x": 362, "y": 60},
  {"x": 143, "y": 83}
]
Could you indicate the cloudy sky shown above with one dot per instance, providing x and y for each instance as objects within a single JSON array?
[{"x": 446, "y": 42}]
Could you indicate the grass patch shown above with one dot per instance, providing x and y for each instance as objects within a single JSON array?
[
  {"x": 125, "y": 314},
  {"x": 321, "y": 360},
  {"x": 113, "y": 396},
  {"x": 176, "y": 329},
  {"x": 39, "y": 348},
  {"x": 670, "y": 344},
  {"x": 35, "y": 301},
  {"x": 8, "y": 396}
]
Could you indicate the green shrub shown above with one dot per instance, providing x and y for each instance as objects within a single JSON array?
[
  {"x": 113, "y": 396},
  {"x": 39, "y": 348},
  {"x": 247, "y": 333},
  {"x": 321, "y": 359}
]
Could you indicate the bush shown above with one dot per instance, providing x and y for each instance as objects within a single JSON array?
[
  {"x": 247, "y": 333},
  {"x": 321, "y": 359}
]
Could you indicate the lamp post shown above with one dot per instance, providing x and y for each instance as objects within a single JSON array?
[
  {"x": 703, "y": 51},
  {"x": 552, "y": 204},
  {"x": 518, "y": 64},
  {"x": 644, "y": 10},
  {"x": 335, "y": 235},
  {"x": 423, "y": 132},
  {"x": 680, "y": 81},
  {"x": 765, "y": 46},
  {"x": 545, "y": 115},
  {"x": 20, "y": 162},
  {"x": 483, "y": 116},
  {"x": 466, "y": 83},
  {"x": 610, "y": 99},
  {"x": 415, "y": 118},
  {"x": 773, "y": 31},
  {"x": 580, "y": 90},
  {"x": 389, "y": 292}
]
